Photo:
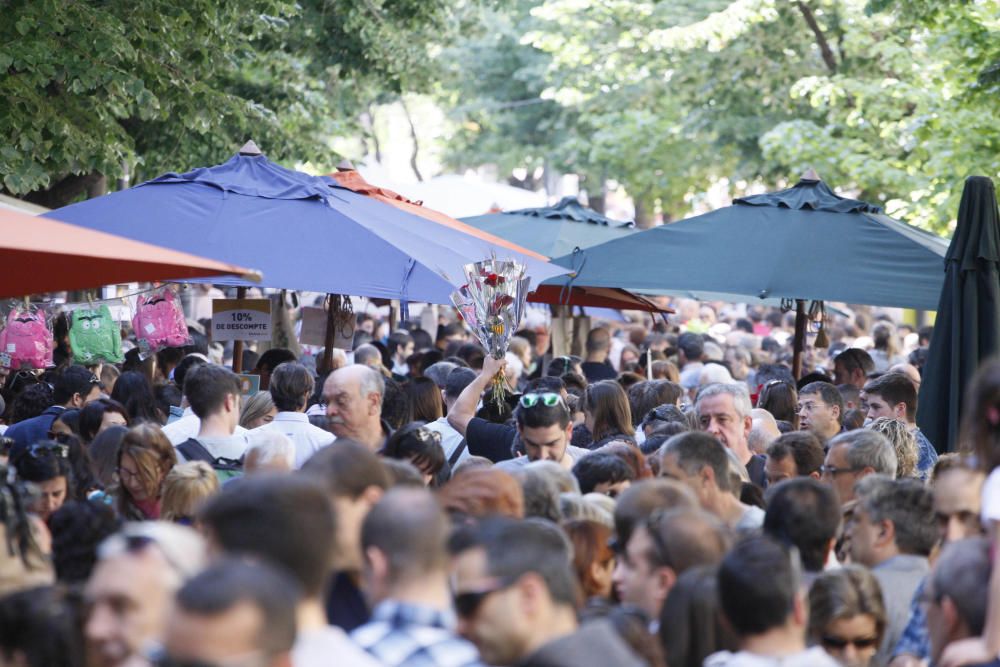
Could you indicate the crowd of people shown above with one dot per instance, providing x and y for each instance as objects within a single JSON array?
[{"x": 671, "y": 497}]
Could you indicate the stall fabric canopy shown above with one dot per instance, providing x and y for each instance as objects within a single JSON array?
[
  {"x": 352, "y": 180},
  {"x": 577, "y": 296},
  {"x": 553, "y": 230},
  {"x": 42, "y": 255},
  {"x": 967, "y": 328},
  {"x": 301, "y": 232},
  {"x": 801, "y": 243}
]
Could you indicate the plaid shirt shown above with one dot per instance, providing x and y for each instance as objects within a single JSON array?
[
  {"x": 407, "y": 635},
  {"x": 915, "y": 640}
]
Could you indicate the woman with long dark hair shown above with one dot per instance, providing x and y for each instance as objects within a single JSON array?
[{"x": 134, "y": 392}]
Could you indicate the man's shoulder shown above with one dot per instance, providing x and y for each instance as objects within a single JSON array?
[{"x": 316, "y": 647}]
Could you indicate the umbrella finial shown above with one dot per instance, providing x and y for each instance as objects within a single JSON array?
[
  {"x": 346, "y": 165},
  {"x": 810, "y": 175},
  {"x": 250, "y": 148}
]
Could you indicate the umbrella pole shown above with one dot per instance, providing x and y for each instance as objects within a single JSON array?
[
  {"x": 332, "y": 304},
  {"x": 241, "y": 293},
  {"x": 799, "y": 343}
]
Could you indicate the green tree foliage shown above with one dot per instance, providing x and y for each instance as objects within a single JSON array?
[
  {"x": 893, "y": 99},
  {"x": 157, "y": 85}
]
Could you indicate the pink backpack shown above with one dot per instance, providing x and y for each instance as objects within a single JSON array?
[
  {"x": 27, "y": 339},
  {"x": 159, "y": 320}
]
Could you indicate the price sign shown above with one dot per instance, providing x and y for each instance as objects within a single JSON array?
[{"x": 241, "y": 319}]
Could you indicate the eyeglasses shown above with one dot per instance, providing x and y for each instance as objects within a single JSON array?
[
  {"x": 547, "y": 399},
  {"x": 833, "y": 471},
  {"x": 126, "y": 474},
  {"x": 468, "y": 603},
  {"x": 840, "y": 643}
]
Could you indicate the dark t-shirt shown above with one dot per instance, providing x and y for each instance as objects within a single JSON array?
[
  {"x": 345, "y": 605},
  {"x": 755, "y": 468},
  {"x": 493, "y": 441},
  {"x": 596, "y": 371}
]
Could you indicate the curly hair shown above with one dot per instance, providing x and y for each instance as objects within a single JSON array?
[{"x": 903, "y": 442}]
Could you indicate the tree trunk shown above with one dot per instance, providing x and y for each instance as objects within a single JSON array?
[
  {"x": 369, "y": 120},
  {"x": 643, "y": 215},
  {"x": 413, "y": 136}
]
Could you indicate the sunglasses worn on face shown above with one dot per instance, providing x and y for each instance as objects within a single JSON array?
[
  {"x": 547, "y": 399},
  {"x": 840, "y": 643},
  {"x": 469, "y": 602}
]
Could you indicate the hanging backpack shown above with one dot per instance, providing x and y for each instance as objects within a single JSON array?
[{"x": 225, "y": 469}]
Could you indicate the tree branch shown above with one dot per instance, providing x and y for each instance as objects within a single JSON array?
[
  {"x": 413, "y": 135},
  {"x": 824, "y": 46}
]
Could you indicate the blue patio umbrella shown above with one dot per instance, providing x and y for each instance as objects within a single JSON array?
[
  {"x": 299, "y": 231},
  {"x": 803, "y": 243},
  {"x": 553, "y": 230}
]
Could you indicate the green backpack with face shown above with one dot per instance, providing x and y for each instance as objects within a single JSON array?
[{"x": 94, "y": 336}]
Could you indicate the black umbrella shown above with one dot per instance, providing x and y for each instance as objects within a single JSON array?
[{"x": 967, "y": 329}]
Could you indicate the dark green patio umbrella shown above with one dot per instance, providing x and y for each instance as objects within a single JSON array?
[
  {"x": 803, "y": 243},
  {"x": 553, "y": 230},
  {"x": 967, "y": 329}
]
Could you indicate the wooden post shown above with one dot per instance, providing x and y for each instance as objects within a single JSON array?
[
  {"x": 799, "y": 343},
  {"x": 332, "y": 307},
  {"x": 241, "y": 293}
]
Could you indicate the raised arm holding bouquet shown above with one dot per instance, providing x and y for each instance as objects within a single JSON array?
[{"x": 491, "y": 302}]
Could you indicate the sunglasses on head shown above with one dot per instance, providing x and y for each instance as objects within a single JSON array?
[
  {"x": 42, "y": 450},
  {"x": 548, "y": 399}
]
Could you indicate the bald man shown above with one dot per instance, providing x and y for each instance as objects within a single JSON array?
[
  {"x": 910, "y": 371},
  {"x": 353, "y": 396},
  {"x": 763, "y": 432}
]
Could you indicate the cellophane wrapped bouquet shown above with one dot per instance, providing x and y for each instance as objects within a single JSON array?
[{"x": 491, "y": 302}]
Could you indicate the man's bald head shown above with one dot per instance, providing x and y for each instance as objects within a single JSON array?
[
  {"x": 368, "y": 355},
  {"x": 910, "y": 371},
  {"x": 353, "y": 396},
  {"x": 763, "y": 432}
]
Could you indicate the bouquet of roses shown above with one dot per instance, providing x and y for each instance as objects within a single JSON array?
[{"x": 491, "y": 302}]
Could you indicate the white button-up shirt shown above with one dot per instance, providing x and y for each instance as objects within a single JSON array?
[{"x": 308, "y": 439}]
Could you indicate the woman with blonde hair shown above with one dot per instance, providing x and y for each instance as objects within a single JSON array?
[
  {"x": 145, "y": 458},
  {"x": 903, "y": 443},
  {"x": 258, "y": 410},
  {"x": 185, "y": 489}
]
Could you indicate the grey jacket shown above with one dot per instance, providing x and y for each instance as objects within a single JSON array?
[
  {"x": 899, "y": 577},
  {"x": 594, "y": 644}
]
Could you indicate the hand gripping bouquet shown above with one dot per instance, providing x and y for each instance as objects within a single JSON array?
[{"x": 491, "y": 302}]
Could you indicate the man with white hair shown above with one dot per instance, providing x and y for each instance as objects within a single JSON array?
[
  {"x": 763, "y": 432},
  {"x": 129, "y": 592},
  {"x": 724, "y": 411},
  {"x": 714, "y": 374},
  {"x": 269, "y": 451},
  {"x": 353, "y": 396}
]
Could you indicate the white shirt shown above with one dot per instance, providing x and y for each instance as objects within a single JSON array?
[
  {"x": 187, "y": 427},
  {"x": 991, "y": 498},
  {"x": 450, "y": 439},
  {"x": 308, "y": 439},
  {"x": 329, "y": 645}
]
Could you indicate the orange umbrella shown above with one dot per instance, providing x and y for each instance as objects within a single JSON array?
[
  {"x": 578, "y": 296},
  {"x": 44, "y": 255}
]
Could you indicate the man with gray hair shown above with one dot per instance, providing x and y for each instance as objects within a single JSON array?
[
  {"x": 369, "y": 355},
  {"x": 892, "y": 532},
  {"x": 956, "y": 596},
  {"x": 763, "y": 432},
  {"x": 129, "y": 592},
  {"x": 725, "y": 411},
  {"x": 353, "y": 396},
  {"x": 700, "y": 461},
  {"x": 854, "y": 455}
]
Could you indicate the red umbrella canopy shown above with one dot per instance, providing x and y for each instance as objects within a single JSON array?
[{"x": 44, "y": 255}]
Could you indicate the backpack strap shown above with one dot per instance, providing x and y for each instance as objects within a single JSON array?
[
  {"x": 195, "y": 451},
  {"x": 457, "y": 454}
]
